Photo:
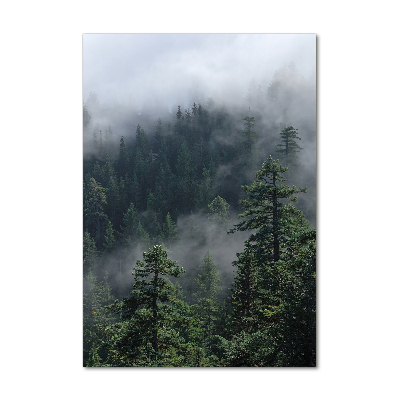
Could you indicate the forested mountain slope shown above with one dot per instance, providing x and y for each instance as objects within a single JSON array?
[{"x": 172, "y": 185}]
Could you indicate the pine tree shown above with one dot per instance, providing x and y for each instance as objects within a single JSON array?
[
  {"x": 146, "y": 332},
  {"x": 169, "y": 233},
  {"x": 208, "y": 288},
  {"x": 130, "y": 225},
  {"x": 113, "y": 208},
  {"x": 87, "y": 117},
  {"x": 89, "y": 253},
  {"x": 274, "y": 290},
  {"x": 246, "y": 293},
  {"x": 96, "y": 317},
  {"x": 123, "y": 159},
  {"x": 218, "y": 213},
  {"x": 288, "y": 148},
  {"x": 265, "y": 210},
  {"x": 109, "y": 237},
  {"x": 94, "y": 203},
  {"x": 249, "y": 135}
]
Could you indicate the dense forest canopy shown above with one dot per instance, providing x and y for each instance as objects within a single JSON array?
[{"x": 162, "y": 188}]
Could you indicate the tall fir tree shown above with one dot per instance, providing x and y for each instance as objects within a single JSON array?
[
  {"x": 288, "y": 147},
  {"x": 145, "y": 335},
  {"x": 207, "y": 290}
]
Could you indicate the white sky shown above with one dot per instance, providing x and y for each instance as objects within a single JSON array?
[{"x": 171, "y": 68}]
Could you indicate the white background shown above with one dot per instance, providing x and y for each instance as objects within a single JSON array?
[{"x": 41, "y": 171}]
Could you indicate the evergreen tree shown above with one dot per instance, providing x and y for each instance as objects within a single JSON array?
[
  {"x": 89, "y": 252},
  {"x": 109, "y": 238},
  {"x": 87, "y": 117},
  {"x": 249, "y": 134},
  {"x": 146, "y": 334},
  {"x": 169, "y": 233},
  {"x": 113, "y": 208},
  {"x": 204, "y": 190},
  {"x": 265, "y": 210},
  {"x": 245, "y": 296},
  {"x": 208, "y": 287},
  {"x": 185, "y": 187},
  {"x": 218, "y": 213},
  {"x": 130, "y": 225},
  {"x": 96, "y": 317},
  {"x": 123, "y": 159},
  {"x": 275, "y": 285},
  {"x": 94, "y": 203},
  {"x": 288, "y": 148}
]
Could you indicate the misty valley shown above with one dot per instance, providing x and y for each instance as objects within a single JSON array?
[{"x": 199, "y": 239}]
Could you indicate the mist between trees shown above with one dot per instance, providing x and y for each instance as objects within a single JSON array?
[{"x": 178, "y": 179}]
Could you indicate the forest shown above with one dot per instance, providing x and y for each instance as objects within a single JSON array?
[{"x": 199, "y": 231}]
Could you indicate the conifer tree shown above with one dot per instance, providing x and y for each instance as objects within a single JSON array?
[
  {"x": 146, "y": 330},
  {"x": 274, "y": 290},
  {"x": 218, "y": 213},
  {"x": 123, "y": 159},
  {"x": 245, "y": 296},
  {"x": 288, "y": 148},
  {"x": 89, "y": 252},
  {"x": 94, "y": 203},
  {"x": 130, "y": 224},
  {"x": 87, "y": 117},
  {"x": 265, "y": 210},
  {"x": 208, "y": 287},
  {"x": 96, "y": 318},
  {"x": 169, "y": 233},
  {"x": 109, "y": 237},
  {"x": 249, "y": 134}
]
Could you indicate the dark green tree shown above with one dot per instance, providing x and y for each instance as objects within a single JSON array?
[
  {"x": 274, "y": 290},
  {"x": 96, "y": 317},
  {"x": 94, "y": 202},
  {"x": 169, "y": 232},
  {"x": 288, "y": 147},
  {"x": 204, "y": 189},
  {"x": 249, "y": 134},
  {"x": 123, "y": 159},
  {"x": 218, "y": 213},
  {"x": 130, "y": 225},
  {"x": 246, "y": 301},
  {"x": 90, "y": 254},
  {"x": 265, "y": 210},
  {"x": 206, "y": 294},
  {"x": 146, "y": 334},
  {"x": 109, "y": 237}
]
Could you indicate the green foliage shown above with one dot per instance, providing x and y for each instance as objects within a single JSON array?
[
  {"x": 247, "y": 350},
  {"x": 147, "y": 316},
  {"x": 249, "y": 134},
  {"x": 288, "y": 148},
  {"x": 265, "y": 210},
  {"x": 132, "y": 200},
  {"x": 218, "y": 213},
  {"x": 169, "y": 232},
  {"x": 206, "y": 294},
  {"x": 130, "y": 225},
  {"x": 96, "y": 317},
  {"x": 89, "y": 252},
  {"x": 109, "y": 239},
  {"x": 94, "y": 202},
  {"x": 275, "y": 285}
]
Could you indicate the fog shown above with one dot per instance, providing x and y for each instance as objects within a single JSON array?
[
  {"x": 131, "y": 79},
  {"x": 197, "y": 235},
  {"x": 167, "y": 69}
]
